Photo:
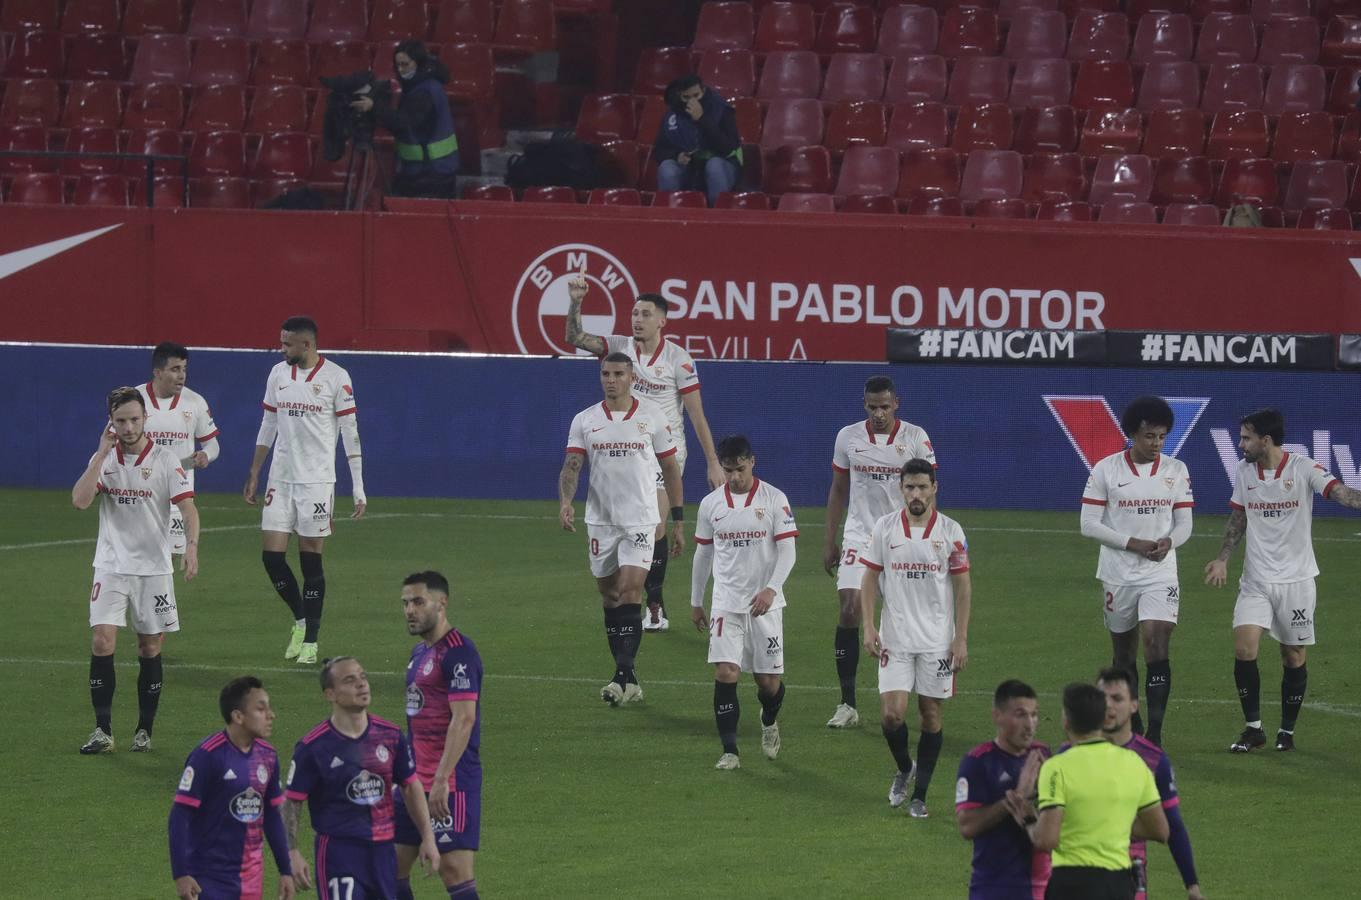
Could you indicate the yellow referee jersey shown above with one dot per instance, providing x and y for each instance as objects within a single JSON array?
[{"x": 1101, "y": 788}]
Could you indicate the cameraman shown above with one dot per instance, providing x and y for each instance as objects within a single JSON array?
[
  {"x": 698, "y": 147},
  {"x": 422, "y": 123}
]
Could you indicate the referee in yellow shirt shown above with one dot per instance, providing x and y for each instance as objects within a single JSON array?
[{"x": 1091, "y": 799}]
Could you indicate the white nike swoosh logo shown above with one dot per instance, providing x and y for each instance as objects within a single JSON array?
[{"x": 18, "y": 260}]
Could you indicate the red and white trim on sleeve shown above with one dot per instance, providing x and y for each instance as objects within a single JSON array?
[
  {"x": 1092, "y": 502},
  {"x": 1328, "y": 488},
  {"x": 787, "y": 534},
  {"x": 705, "y": 541},
  {"x": 1233, "y": 505},
  {"x": 209, "y": 436},
  {"x": 576, "y": 450},
  {"x": 873, "y": 567},
  {"x": 187, "y": 495},
  {"x": 347, "y": 412},
  {"x": 667, "y": 453},
  {"x": 687, "y": 390},
  {"x": 1187, "y": 505},
  {"x": 268, "y": 408},
  {"x": 837, "y": 468}
]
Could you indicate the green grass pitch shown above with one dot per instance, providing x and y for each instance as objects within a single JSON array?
[{"x": 586, "y": 801}]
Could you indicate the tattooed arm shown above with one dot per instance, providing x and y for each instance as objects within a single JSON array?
[
  {"x": 292, "y": 812},
  {"x": 568, "y": 479},
  {"x": 1348, "y": 497},
  {"x": 1217, "y": 569},
  {"x": 576, "y": 335}
]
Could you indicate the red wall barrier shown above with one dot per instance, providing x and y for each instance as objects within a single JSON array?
[{"x": 492, "y": 277}]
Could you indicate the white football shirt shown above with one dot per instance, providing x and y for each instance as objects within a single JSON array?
[
  {"x": 1280, "y": 510},
  {"x": 914, "y": 567},
  {"x": 309, "y": 405},
  {"x": 178, "y": 424},
  {"x": 622, "y": 449},
  {"x": 1137, "y": 500},
  {"x": 134, "y": 510},
  {"x": 662, "y": 376},
  {"x": 744, "y": 530},
  {"x": 874, "y": 462}
]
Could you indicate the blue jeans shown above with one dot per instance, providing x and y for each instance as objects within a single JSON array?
[{"x": 718, "y": 175}]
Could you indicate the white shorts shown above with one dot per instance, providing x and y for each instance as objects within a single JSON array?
[
  {"x": 176, "y": 530},
  {"x": 612, "y": 547},
  {"x": 1125, "y": 606},
  {"x": 851, "y": 573},
  {"x": 1286, "y": 610},
  {"x": 302, "y": 509},
  {"x": 680, "y": 461},
  {"x": 150, "y": 598},
  {"x": 926, "y": 674},
  {"x": 756, "y": 643}
]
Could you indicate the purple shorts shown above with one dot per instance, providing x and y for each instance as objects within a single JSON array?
[
  {"x": 459, "y": 831},
  {"x": 348, "y": 869}
]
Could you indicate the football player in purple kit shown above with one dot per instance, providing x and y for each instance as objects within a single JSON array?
[
  {"x": 227, "y": 805},
  {"x": 1118, "y": 729},
  {"x": 346, "y": 769},
  {"x": 443, "y": 683},
  {"x": 1005, "y": 865}
]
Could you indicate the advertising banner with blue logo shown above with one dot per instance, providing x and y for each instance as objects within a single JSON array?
[{"x": 478, "y": 427}]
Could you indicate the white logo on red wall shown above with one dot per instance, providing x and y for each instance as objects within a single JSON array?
[{"x": 539, "y": 309}]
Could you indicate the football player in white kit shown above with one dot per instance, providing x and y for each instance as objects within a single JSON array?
[
  {"x": 1137, "y": 504},
  {"x": 308, "y": 401},
  {"x": 138, "y": 482},
  {"x": 624, "y": 439},
  {"x": 178, "y": 419},
  {"x": 1273, "y": 504},
  {"x": 665, "y": 374},
  {"x": 919, "y": 560},
  {"x": 865, "y": 466},
  {"x": 744, "y": 537}
]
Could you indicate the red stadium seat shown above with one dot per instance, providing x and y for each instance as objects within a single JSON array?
[
  {"x": 277, "y": 20},
  {"x": 1189, "y": 180},
  {"x": 1052, "y": 129},
  {"x": 399, "y": 20},
  {"x": 969, "y": 31},
  {"x": 1329, "y": 9},
  {"x": 1227, "y": 39},
  {"x": 281, "y": 62},
  {"x": 93, "y": 104},
  {"x": 1349, "y": 141},
  {"x": 1238, "y": 134},
  {"x": 607, "y": 117},
  {"x": 621, "y": 163},
  {"x": 1127, "y": 212},
  {"x": 102, "y": 190},
  {"x": 730, "y": 73},
  {"x": 1264, "y": 10},
  {"x": 1041, "y": 82},
  {"x": 217, "y": 107},
  {"x": 155, "y": 106},
  {"x": 217, "y": 192},
  {"x": 34, "y": 101},
  {"x": 37, "y": 187},
  {"x": 91, "y": 17},
  {"x": 933, "y": 172},
  {"x": 1344, "y": 94},
  {"x": 979, "y": 79},
  {"x": 1063, "y": 211},
  {"x": 1289, "y": 40},
  {"x": 221, "y": 61},
  {"x": 1054, "y": 176},
  {"x": 1037, "y": 34},
  {"x": 554, "y": 194},
  {"x": 870, "y": 203},
  {"x": 792, "y": 123},
  {"x": 1341, "y": 42},
  {"x": 868, "y": 170},
  {"x": 1013, "y": 208},
  {"x": 153, "y": 16},
  {"x": 28, "y": 15},
  {"x": 1203, "y": 9},
  {"x": 162, "y": 57},
  {"x": 498, "y": 192},
  {"x": 24, "y": 137},
  {"x": 91, "y": 140},
  {"x": 285, "y": 154},
  {"x": 1173, "y": 133},
  {"x": 1204, "y": 215},
  {"x": 918, "y": 126},
  {"x": 914, "y": 79},
  {"x": 1121, "y": 177},
  {"x": 217, "y": 154},
  {"x": 992, "y": 175},
  {"x": 467, "y": 21},
  {"x": 155, "y": 142},
  {"x": 1317, "y": 184},
  {"x": 1290, "y": 88},
  {"x": 987, "y": 126},
  {"x": 796, "y": 73},
  {"x": 472, "y": 71},
  {"x": 1111, "y": 131},
  {"x": 680, "y": 200},
  {"x": 1304, "y": 136},
  {"x": 785, "y": 26},
  {"x": 36, "y": 54},
  {"x": 854, "y": 76},
  {"x": 1104, "y": 85},
  {"x": 1099, "y": 36},
  {"x": 1326, "y": 219},
  {"x": 908, "y": 31},
  {"x": 264, "y": 191},
  {"x": 217, "y": 18},
  {"x": 1248, "y": 181},
  {"x": 1169, "y": 85},
  {"x": 743, "y": 200},
  {"x": 95, "y": 57},
  {"x": 802, "y": 202},
  {"x": 935, "y": 206},
  {"x": 1163, "y": 37},
  {"x": 846, "y": 28},
  {"x": 1233, "y": 86},
  {"x": 1008, "y": 9},
  {"x": 614, "y": 197},
  {"x": 341, "y": 58},
  {"x": 279, "y": 107},
  {"x": 747, "y": 112},
  {"x": 338, "y": 20},
  {"x": 857, "y": 122},
  {"x": 805, "y": 170},
  {"x": 659, "y": 66},
  {"x": 725, "y": 26}
]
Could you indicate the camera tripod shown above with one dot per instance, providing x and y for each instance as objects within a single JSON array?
[{"x": 360, "y": 173}]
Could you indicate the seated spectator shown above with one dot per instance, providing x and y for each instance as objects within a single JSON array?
[
  {"x": 1244, "y": 215},
  {"x": 698, "y": 148},
  {"x": 422, "y": 123}
]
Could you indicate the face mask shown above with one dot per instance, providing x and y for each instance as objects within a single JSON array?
[{"x": 407, "y": 76}]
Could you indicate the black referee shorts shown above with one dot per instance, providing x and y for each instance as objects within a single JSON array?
[{"x": 1090, "y": 883}]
